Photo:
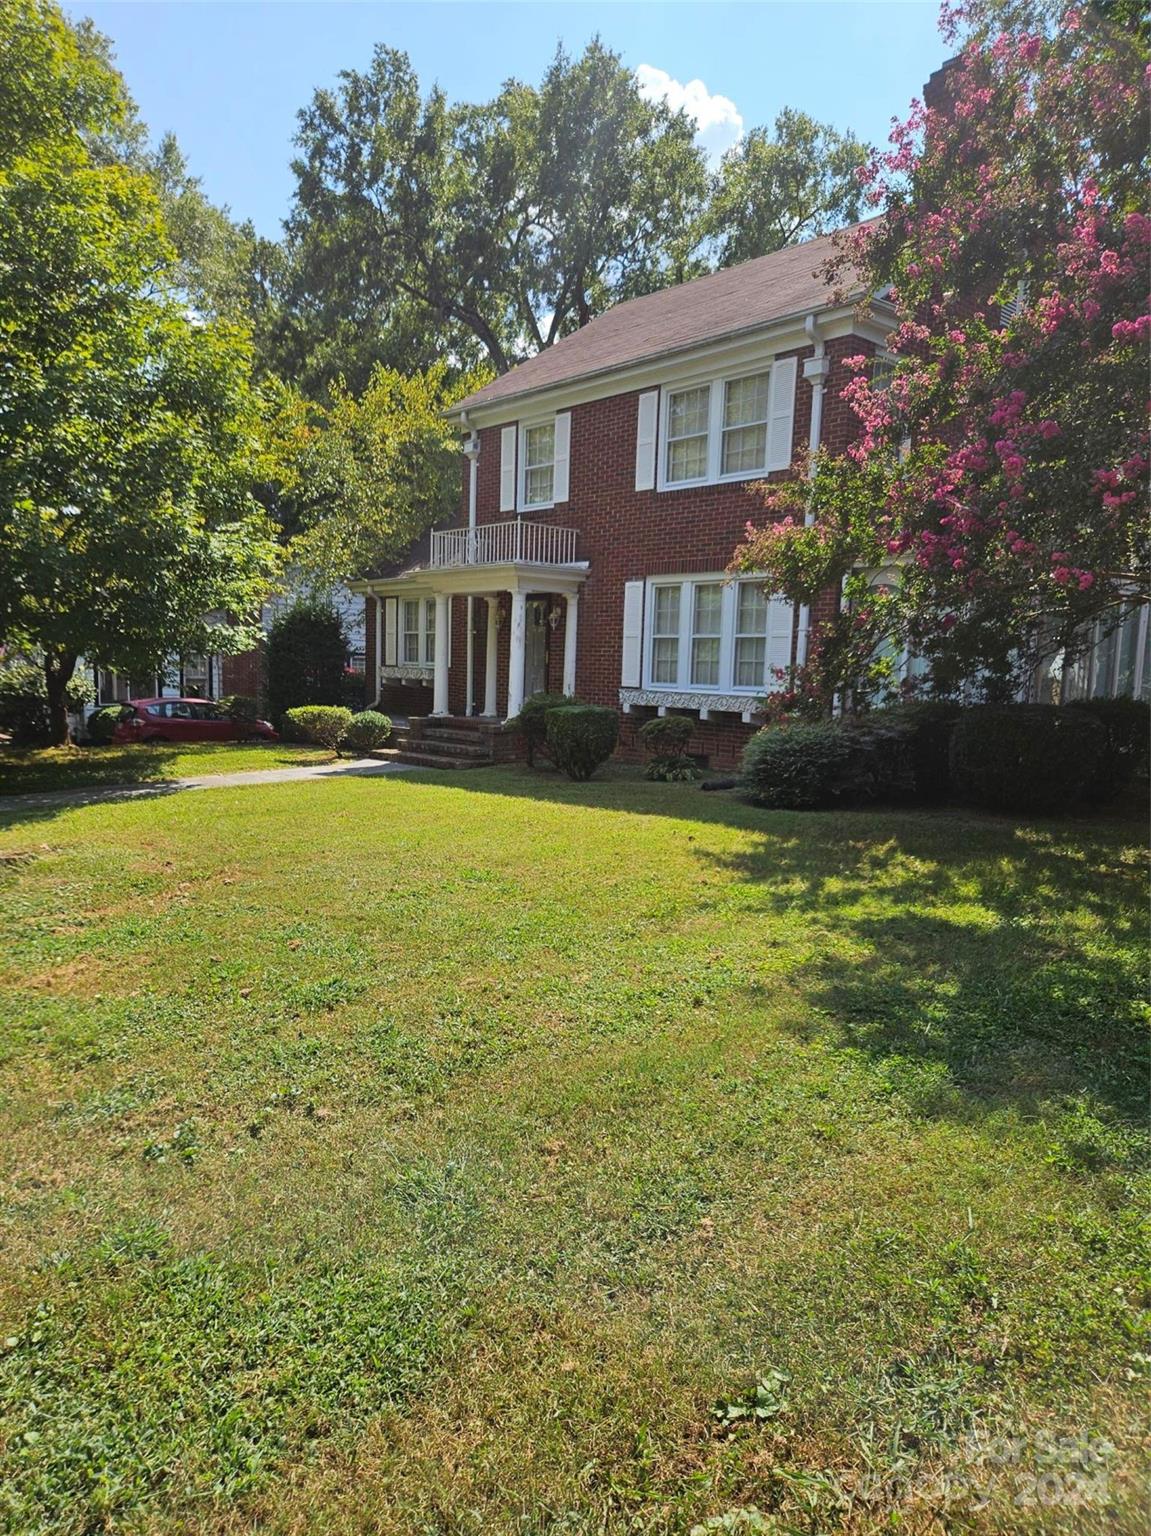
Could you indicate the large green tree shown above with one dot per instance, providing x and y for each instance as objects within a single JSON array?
[
  {"x": 779, "y": 185},
  {"x": 128, "y": 432},
  {"x": 353, "y": 481}
]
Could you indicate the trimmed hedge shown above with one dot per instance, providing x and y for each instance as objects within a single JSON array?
[
  {"x": 1128, "y": 726},
  {"x": 1025, "y": 757},
  {"x": 531, "y": 721},
  {"x": 807, "y": 767},
  {"x": 368, "y": 730},
  {"x": 929, "y": 726},
  {"x": 581, "y": 737},
  {"x": 324, "y": 724}
]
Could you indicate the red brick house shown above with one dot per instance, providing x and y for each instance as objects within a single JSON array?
[{"x": 605, "y": 488}]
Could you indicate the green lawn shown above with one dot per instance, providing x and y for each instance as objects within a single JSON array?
[
  {"x": 50, "y": 768},
  {"x": 434, "y": 1154}
]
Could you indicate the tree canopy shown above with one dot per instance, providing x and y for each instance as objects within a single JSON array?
[{"x": 127, "y": 430}]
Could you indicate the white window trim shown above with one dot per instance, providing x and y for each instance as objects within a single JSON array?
[
  {"x": 683, "y": 684},
  {"x": 714, "y": 475},
  {"x": 522, "y": 503}
]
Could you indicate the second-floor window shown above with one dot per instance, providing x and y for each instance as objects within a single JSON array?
[
  {"x": 539, "y": 465},
  {"x": 720, "y": 430}
]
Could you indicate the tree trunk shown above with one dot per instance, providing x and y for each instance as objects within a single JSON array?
[{"x": 57, "y": 676}]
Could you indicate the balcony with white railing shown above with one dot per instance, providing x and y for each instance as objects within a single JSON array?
[{"x": 512, "y": 543}]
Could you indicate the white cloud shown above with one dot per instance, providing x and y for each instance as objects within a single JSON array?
[{"x": 718, "y": 121}]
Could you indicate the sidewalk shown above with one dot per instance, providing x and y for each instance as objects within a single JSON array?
[{"x": 358, "y": 768}]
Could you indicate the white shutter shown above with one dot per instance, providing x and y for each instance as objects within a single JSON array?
[
  {"x": 631, "y": 668},
  {"x": 647, "y": 416},
  {"x": 391, "y": 613},
  {"x": 780, "y": 413},
  {"x": 780, "y": 620},
  {"x": 508, "y": 468},
  {"x": 563, "y": 439},
  {"x": 803, "y": 630}
]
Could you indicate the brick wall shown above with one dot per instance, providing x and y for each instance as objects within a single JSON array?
[{"x": 626, "y": 535}]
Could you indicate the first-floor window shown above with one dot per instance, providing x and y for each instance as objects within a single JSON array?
[
  {"x": 418, "y": 631},
  {"x": 665, "y": 635},
  {"x": 707, "y": 629},
  {"x": 411, "y": 631},
  {"x": 708, "y": 634}
]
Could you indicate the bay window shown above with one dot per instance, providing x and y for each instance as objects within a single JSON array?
[{"x": 708, "y": 635}]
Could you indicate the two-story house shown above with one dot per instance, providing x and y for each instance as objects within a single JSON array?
[{"x": 605, "y": 489}]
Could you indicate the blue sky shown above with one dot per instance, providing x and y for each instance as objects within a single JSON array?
[{"x": 228, "y": 78}]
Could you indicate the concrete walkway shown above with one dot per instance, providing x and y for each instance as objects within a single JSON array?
[{"x": 357, "y": 768}]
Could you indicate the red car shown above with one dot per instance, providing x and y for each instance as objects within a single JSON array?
[{"x": 185, "y": 720}]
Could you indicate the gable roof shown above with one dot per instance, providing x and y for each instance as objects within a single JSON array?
[{"x": 740, "y": 298}]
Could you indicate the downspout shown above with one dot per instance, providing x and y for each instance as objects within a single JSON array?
[
  {"x": 815, "y": 371},
  {"x": 472, "y": 450}
]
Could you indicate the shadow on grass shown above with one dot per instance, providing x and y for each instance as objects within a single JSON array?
[{"x": 979, "y": 960}]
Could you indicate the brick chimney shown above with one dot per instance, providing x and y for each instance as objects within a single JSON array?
[{"x": 939, "y": 92}]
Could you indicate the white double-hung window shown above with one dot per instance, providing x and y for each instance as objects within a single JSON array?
[
  {"x": 708, "y": 635},
  {"x": 728, "y": 429},
  {"x": 539, "y": 465},
  {"x": 418, "y": 631}
]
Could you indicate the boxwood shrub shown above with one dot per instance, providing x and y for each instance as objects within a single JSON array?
[
  {"x": 826, "y": 763},
  {"x": 1025, "y": 757},
  {"x": 102, "y": 722},
  {"x": 1128, "y": 726},
  {"x": 531, "y": 721},
  {"x": 665, "y": 738},
  {"x": 580, "y": 737},
  {"x": 325, "y": 724},
  {"x": 368, "y": 730}
]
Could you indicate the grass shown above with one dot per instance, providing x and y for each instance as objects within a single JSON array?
[
  {"x": 485, "y": 1153},
  {"x": 26, "y": 770}
]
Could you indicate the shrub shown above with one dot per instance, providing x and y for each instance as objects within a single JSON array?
[
  {"x": 580, "y": 737},
  {"x": 666, "y": 735},
  {"x": 929, "y": 726},
  {"x": 1128, "y": 726},
  {"x": 305, "y": 654},
  {"x": 814, "y": 766},
  {"x": 325, "y": 724},
  {"x": 102, "y": 722},
  {"x": 240, "y": 706},
  {"x": 367, "y": 731},
  {"x": 532, "y": 722},
  {"x": 672, "y": 768},
  {"x": 24, "y": 700},
  {"x": 1025, "y": 757}
]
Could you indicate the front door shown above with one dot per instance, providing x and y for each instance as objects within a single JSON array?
[{"x": 536, "y": 653}]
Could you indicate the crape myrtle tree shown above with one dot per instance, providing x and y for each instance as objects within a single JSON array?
[
  {"x": 1000, "y": 471},
  {"x": 127, "y": 430}
]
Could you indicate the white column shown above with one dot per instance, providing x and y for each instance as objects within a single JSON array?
[
  {"x": 571, "y": 618},
  {"x": 492, "y": 661},
  {"x": 517, "y": 654},
  {"x": 469, "y": 707},
  {"x": 440, "y": 670}
]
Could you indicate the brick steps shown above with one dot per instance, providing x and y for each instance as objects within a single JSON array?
[{"x": 432, "y": 741}]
